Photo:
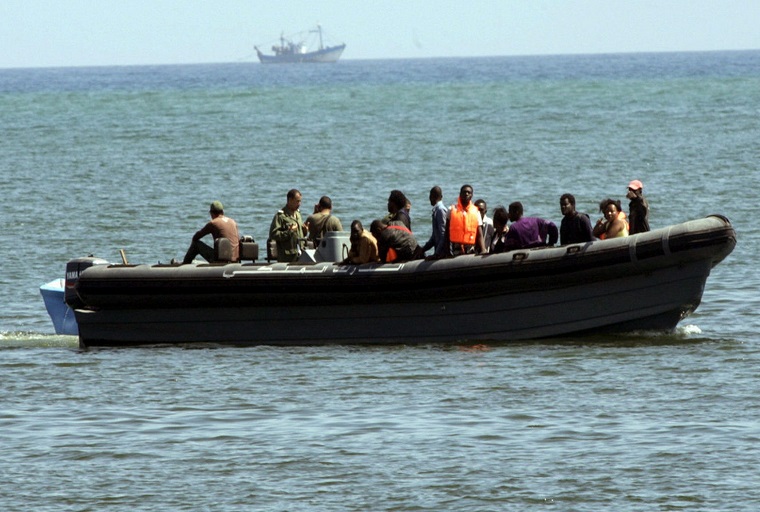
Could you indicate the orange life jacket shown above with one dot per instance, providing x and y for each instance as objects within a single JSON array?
[{"x": 464, "y": 224}]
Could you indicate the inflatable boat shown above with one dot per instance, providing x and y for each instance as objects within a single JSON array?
[{"x": 648, "y": 281}]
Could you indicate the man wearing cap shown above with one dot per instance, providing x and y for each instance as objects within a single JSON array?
[
  {"x": 218, "y": 227},
  {"x": 638, "y": 208}
]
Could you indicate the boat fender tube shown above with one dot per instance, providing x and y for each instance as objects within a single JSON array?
[{"x": 73, "y": 270}]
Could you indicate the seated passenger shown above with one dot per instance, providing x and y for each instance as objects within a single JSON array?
[
  {"x": 218, "y": 227},
  {"x": 322, "y": 220},
  {"x": 500, "y": 218},
  {"x": 527, "y": 232},
  {"x": 363, "y": 245},
  {"x": 613, "y": 225},
  {"x": 395, "y": 243}
]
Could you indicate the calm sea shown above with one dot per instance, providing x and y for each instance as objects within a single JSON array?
[{"x": 93, "y": 160}]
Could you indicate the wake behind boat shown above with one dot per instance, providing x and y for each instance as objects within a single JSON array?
[
  {"x": 648, "y": 281},
  {"x": 290, "y": 51}
]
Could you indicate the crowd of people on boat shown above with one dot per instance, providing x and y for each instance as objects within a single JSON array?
[{"x": 461, "y": 228}]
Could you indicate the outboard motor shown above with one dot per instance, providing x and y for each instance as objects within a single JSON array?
[{"x": 73, "y": 269}]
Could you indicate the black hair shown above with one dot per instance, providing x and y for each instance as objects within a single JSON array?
[{"x": 398, "y": 199}]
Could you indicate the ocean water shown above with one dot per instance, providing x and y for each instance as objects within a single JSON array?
[{"x": 100, "y": 159}]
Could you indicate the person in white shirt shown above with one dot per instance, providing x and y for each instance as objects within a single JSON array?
[{"x": 487, "y": 225}]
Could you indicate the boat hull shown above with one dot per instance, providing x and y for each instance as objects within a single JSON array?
[
  {"x": 64, "y": 320},
  {"x": 644, "y": 282},
  {"x": 326, "y": 55}
]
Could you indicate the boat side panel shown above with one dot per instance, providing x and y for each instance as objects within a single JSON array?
[{"x": 654, "y": 301}]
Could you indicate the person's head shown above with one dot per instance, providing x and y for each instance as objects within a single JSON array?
[
  {"x": 567, "y": 205},
  {"x": 294, "y": 199},
  {"x": 482, "y": 207},
  {"x": 377, "y": 227},
  {"x": 465, "y": 194},
  {"x": 436, "y": 194},
  {"x": 500, "y": 218},
  {"x": 216, "y": 208},
  {"x": 325, "y": 203},
  {"x": 515, "y": 211},
  {"x": 610, "y": 209},
  {"x": 356, "y": 229},
  {"x": 635, "y": 189},
  {"x": 396, "y": 201}
]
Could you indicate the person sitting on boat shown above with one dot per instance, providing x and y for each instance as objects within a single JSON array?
[
  {"x": 398, "y": 210},
  {"x": 287, "y": 229},
  {"x": 440, "y": 214},
  {"x": 576, "y": 226},
  {"x": 464, "y": 223},
  {"x": 322, "y": 220},
  {"x": 218, "y": 227},
  {"x": 500, "y": 228},
  {"x": 614, "y": 223},
  {"x": 638, "y": 208},
  {"x": 527, "y": 232},
  {"x": 395, "y": 243},
  {"x": 363, "y": 245}
]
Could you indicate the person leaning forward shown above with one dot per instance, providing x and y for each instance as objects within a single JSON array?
[
  {"x": 218, "y": 227},
  {"x": 363, "y": 245},
  {"x": 287, "y": 229},
  {"x": 395, "y": 243}
]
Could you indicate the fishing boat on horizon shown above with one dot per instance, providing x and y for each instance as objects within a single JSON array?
[{"x": 290, "y": 51}]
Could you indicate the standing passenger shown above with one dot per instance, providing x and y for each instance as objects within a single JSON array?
[
  {"x": 575, "y": 227},
  {"x": 465, "y": 234},
  {"x": 638, "y": 208},
  {"x": 398, "y": 210},
  {"x": 287, "y": 229},
  {"x": 322, "y": 220},
  {"x": 487, "y": 225},
  {"x": 437, "y": 239}
]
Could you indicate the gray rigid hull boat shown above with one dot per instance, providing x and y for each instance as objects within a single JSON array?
[{"x": 648, "y": 281}]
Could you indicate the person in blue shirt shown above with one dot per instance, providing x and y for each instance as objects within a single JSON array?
[{"x": 438, "y": 240}]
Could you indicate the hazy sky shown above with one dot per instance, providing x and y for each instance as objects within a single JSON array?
[{"x": 40, "y": 33}]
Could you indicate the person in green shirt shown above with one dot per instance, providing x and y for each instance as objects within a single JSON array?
[
  {"x": 322, "y": 220},
  {"x": 287, "y": 229}
]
